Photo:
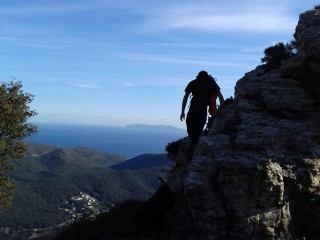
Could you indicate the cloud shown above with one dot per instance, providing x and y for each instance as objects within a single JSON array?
[
  {"x": 60, "y": 7},
  {"x": 192, "y": 60},
  {"x": 235, "y": 22},
  {"x": 30, "y": 43},
  {"x": 84, "y": 85},
  {"x": 44, "y": 8},
  {"x": 225, "y": 16},
  {"x": 127, "y": 84}
]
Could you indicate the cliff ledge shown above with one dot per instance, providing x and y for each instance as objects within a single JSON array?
[{"x": 256, "y": 175}]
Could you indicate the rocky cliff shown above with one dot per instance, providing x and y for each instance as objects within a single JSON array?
[{"x": 256, "y": 175}]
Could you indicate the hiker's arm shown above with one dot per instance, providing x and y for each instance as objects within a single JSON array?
[
  {"x": 184, "y": 104},
  {"x": 221, "y": 99}
]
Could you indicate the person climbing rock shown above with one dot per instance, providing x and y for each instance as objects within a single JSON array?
[{"x": 204, "y": 90}]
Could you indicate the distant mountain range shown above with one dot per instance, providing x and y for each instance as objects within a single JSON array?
[
  {"x": 143, "y": 161},
  {"x": 48, "y": 178},
  {"x": 154, "y": 127}
]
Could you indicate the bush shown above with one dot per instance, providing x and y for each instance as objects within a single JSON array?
[
  {"x": 228, "y": 100},
  {"x": 276, "y": 54},
  {"x": 14, "y": 127},
  {"x": 173, "y": 149},
  {"x": 118, "y": 222}
]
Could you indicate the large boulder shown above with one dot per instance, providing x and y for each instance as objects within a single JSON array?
[{"x": 256, "y": 175}]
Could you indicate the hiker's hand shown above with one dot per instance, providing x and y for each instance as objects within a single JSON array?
[{"x": 182, "y": 116}]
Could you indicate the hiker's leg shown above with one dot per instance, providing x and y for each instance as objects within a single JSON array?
[
  {"x": 201, "y": 121},
  {"x": 191, "y": 125},
  {"x": 196, "y": 119}
]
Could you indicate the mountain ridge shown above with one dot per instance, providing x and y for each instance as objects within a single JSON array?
[
  {"x": 45, "y": 158},
  {"x": 143, "y": 161},
  {"x": 146, "y": 127}
]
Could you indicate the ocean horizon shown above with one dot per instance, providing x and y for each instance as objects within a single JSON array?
[{"x": 128, "y": 141}]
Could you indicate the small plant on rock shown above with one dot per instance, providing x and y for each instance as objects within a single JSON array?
[
  {"x": 173, "y": 149},
  {"x": 276, "y": 54}
]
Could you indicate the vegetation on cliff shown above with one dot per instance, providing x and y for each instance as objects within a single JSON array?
[{"x": 274, "y": 55}]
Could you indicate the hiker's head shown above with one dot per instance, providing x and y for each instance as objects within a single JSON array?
[{"x": 202, "y": 75}]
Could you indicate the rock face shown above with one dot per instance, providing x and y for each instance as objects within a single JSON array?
[{"x": 256, "y": 175}]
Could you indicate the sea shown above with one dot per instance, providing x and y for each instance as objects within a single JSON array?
[{"x": 127, "y": 141}]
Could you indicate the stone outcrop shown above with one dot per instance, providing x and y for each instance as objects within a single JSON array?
[{"x": 256, "y": 175}]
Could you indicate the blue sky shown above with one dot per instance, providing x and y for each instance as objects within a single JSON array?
[{"x": 122, "y": 62}]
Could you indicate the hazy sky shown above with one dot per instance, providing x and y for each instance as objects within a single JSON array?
[{"x": 118, "y": 62}]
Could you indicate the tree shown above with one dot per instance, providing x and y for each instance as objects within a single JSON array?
[
  {"x": 14, "y": 113},
  {"x": 275, "y": 54}
]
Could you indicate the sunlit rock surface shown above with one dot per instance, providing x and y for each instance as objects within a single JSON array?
[{"x": 256, "y": 175}]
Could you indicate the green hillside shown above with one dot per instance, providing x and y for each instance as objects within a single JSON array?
[
  {"x": 48, "y": 160},
  {"x": 49, "y": 179}
]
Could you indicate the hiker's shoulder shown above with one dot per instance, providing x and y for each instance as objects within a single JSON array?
[
  {"x": 193, "y": 82},
  {"x": 191, "y": 85},
  {"x": 215, "y": 85}
]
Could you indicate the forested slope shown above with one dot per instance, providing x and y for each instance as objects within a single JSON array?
[{"x": 48, "y": 179}]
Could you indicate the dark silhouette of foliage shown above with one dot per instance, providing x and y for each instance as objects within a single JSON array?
[
  {"x": 228, "y": 101},
  {"x": 173, "y": 149},
  {"x": 276, "y": 54},
  {"x": 14, "y": 113},
  {"x": 150, "y": 218},
  {"x": 118, "y": 222},
  {"x": 129, "y": 219}
]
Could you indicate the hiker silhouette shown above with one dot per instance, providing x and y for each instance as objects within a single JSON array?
[{"x": 204, "y": 90}]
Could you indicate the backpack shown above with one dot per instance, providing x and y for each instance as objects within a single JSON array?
[
  {"x": 213, "y": 104},
  {"x": 205, "y": 93}
]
